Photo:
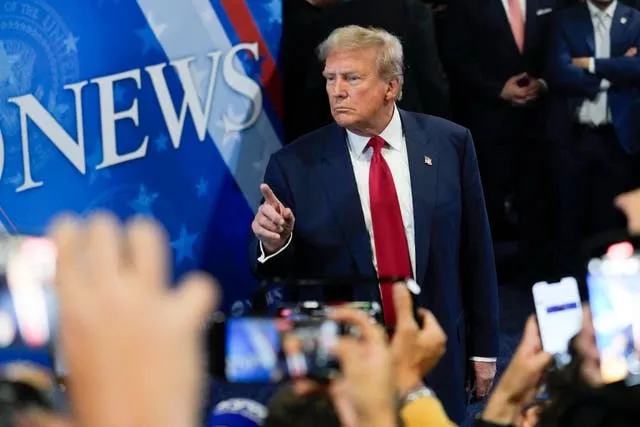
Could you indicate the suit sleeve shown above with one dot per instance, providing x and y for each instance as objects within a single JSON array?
[
  {"x": 479, "y": 278},
  {"x": 432, "y": 81},
  {"x": 462, "y": 58},
  {"x": 563, "y": 77},
  {"x": 620, "y": 71},
  {"x": 280, "y": 265}
]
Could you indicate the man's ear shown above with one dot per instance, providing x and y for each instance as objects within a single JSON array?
[{"x": 393, "y": 89}]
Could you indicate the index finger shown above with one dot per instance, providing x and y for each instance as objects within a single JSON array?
[
  {"x": 269, "y": 195},
  {"x": 404, "y": 306},
  {"x": 356, "y": 318}
]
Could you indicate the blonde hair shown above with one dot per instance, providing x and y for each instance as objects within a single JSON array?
[{"x": 390, "y": 60}]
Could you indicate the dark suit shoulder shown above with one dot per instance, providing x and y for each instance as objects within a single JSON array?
[
  {"x": 441, "y": 129},
  {"x": 309, "y": 145},
  {"x": 437, "y": 124}
]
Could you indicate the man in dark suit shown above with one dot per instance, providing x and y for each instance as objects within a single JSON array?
[
  {"x": 385, "y": 192},
  {"x": 594, "y": 75},
  {"x": 495, "y": 55},
  {"x": 307, "y": 22}
]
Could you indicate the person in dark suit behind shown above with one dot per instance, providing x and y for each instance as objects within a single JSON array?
[
  {"x": 495, "y": 56},
  {"x": 307, "y": 22},
  {"x": 594, "y": 74},
  {"x": 385, "y": 192}
]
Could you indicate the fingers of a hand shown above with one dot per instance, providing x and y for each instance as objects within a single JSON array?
[
  {"x": 147, "y": 247},
  {"x": 288, "y": 217},
  {"x": 432, "y": 328},
  {"x": 269, "y": 195},
  {"x": 270, "y": 213},
  {"x": 65, "y": 233},
  {"x": 403, "y": 304},
  {"x": 541, "y": 361},
  {"x": 482, "y": 387},
  {"x": 356, "y": 318},
  {"x": 519, "y": 76},
  {"x": 104, "y": 248},
  {"x": 198, "y": 295},
  {"x": 261, "y": 232},
  {"x": 345, "y": 348},
  {"x": 269, "y": 225}
]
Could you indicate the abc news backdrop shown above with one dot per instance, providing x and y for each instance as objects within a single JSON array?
[{"x": 165, "y": 108}]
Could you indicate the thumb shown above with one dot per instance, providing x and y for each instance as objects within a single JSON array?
[
  {"x": 288, "y": 216},
  {"x": 541, "y": 360},
  {"x": 269, "y": 196},
  {"x": 199, "y": 295},
  {"x": 531, "y": 335}
]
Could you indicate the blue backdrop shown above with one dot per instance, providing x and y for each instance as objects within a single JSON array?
[{"x": 167, "y": 108}]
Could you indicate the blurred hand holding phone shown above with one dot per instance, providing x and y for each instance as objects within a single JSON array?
[
  {"x": 613, "y": 282},
  {"x": 294, "y": 339},
  {"x": 28, "y": 315}
]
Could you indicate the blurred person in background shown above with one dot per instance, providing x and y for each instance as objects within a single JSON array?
[
  {"x": 306, "y": 23},
  {"x": 594, "y": 125},
  {"x": 495, "y": 55}
]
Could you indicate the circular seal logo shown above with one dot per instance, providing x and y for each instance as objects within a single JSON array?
[{"x": 38, "y": 56}]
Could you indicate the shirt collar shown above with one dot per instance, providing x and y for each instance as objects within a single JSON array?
[
  {"x": 392, "y": 134},
  {"x": 608, "y": 11}
]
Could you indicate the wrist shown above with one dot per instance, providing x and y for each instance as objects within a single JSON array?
[
  {"x": 408, "y": 382},
  {"x": 501, "y": 409}
]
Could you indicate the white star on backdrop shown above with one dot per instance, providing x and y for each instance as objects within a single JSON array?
[{"x": 71, "y": 43}]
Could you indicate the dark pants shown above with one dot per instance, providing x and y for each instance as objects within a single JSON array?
[
  {"x": 591, "y": 169},
  {"x": 514, "y": 168}
]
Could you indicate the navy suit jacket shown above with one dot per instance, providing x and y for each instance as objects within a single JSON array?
[
  {"x": 573, "y": 36},
  {"x": 454, "y": 253}
]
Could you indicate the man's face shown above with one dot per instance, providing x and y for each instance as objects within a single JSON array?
[{"x": 356, "y": 90}]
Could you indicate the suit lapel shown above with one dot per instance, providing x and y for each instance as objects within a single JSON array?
[
  {"x": 498, "y": 10},
  {"x": 585, "y": 25},
  {"x": 619, "y": 25},
  {"x": 344, "y": 200},
  {"x": 530, "y": 22},
  {"x": 423, "y": 187}
]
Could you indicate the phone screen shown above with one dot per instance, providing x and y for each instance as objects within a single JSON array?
[
  {"x": 28, "y": 317},
  {"x": 559, "y": 314},
  {"x": 319, "y": 310},
  {"x": 613, "y": 282},
  {"x": 270, "y": 350}
]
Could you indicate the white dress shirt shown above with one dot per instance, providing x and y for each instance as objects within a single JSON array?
[
  {"x": 596, "y": 112},
  {"x": 523, "y": 5},
  {"x": 395, "y": 154}
]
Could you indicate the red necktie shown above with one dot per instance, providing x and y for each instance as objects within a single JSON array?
[
  {"x": 516, "y": 20},
  {"x": 392, "y": 251}
]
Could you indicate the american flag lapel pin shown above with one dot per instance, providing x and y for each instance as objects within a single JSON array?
[{"x": 428, "y": 161}]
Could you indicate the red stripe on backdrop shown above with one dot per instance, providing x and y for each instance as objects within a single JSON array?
[{"x": 247, "y": 31}]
